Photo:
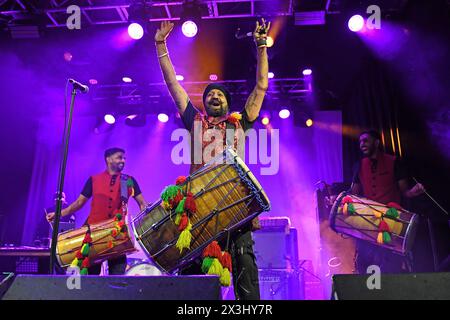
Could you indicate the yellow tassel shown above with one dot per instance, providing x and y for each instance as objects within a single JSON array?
[
  {"x": 378, "y": 214},
  {"x": 184, "y": 240},
  {"x": 345, "y": 209},
  {"x": 216, "y": 268},
  {"x": 225, "y": 277},
  {"x": 74, "y": 263},
  {"x": 177, "y": 219},
  {"x": 165, "y": 205},
  {"x": 380, "y": 238}
]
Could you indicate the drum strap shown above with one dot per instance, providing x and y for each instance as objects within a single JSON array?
[{"x": 123, "y": 188}]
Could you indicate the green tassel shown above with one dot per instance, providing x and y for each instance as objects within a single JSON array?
[
  {"x": 386, "y": 237},
  {"x": 84, "y": 272},
  {"x": 207, "y": 262},
  {"x": 85, "y": 249},
  {"x": 392, "y": 213},
  {"x": 130, "y": 183},
  {"x": 119, "y": 217},
  {"x": 351, "y": 209},
  {"x": 169, "y": 192},
  {"x": 180, "y": 207},
  {"x": 216, "y": 268}
]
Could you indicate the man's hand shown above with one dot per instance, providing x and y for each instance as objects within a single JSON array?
[
  {"x": 417, "y": 190},
  {"x": 163, "y": 32},
  {"x": 261, "y": 31},
  {"x": 50, "y": 216}
]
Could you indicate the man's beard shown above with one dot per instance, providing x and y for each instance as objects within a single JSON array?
[{"x": 216, "y": 112}]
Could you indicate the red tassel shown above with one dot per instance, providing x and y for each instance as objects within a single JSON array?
[
  {"x": 110, "y": 244},
  {"x": 383, "y": 227},
  {"x": 190, "y": 203},
  {"x": 114, "y": 232},
  {"x": 225, "y": 260},
  {"x": 121, "y": 224},
  {"x": 183, "y": 222},
  {"x": 394, "y": 205},
  {"x": 347, "y": 199},
  {"x": 180, "y": 180},
  {"x": 176, "y": 200},
  {"x": 87, "y": 238},
  {"x": 85, "y": 263},
  {"x": 213, "y": 250},
  {"x": 79, "y": 255}
]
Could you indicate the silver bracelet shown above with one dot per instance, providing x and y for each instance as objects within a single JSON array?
[{"x": 163, "y": 55}]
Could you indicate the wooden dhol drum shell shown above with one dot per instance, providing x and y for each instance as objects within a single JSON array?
[
  {"x": 364, "y": 224},
  {"x": 227, "y": 196},
  {"x": 70, "y": 242}
]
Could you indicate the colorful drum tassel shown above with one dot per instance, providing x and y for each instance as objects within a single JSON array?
[
  {"x": 384, "y": 235},
  {"x": 216, "y": 262}
]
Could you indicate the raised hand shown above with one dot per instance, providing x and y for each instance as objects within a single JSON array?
[
  {"x": 163, "y": 32},
  {"x": 261, "y": 31}
]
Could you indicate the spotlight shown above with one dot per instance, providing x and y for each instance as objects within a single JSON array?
[
  {"x": 109, "y": 118},
  {"x": 162, "y": 117},
  {"x": 265, "y": 120},
  {"x": 135, "y": 31},
  {"x": 189, "y": 28},
  {"x": 179, "y": 77},
  {"x": 356, "y": 23},
  {"x": 309, "y": 122},
  {"x": 127, "y": 79},
  {"x": 93, "y": 81},
  {"x": 190, "y": 18},
  {"x": 284, "y": 113},
  {"x": 307, "y": 72},
  {"x": 269, "y": 42},
  {"x": 302, "y": 119},
  {"x": 213, "y": 77},
  {"x": 271, "y": 75}
]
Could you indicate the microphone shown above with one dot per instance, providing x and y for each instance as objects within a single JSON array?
[
  {"x": 79, "y": 86},
  {"x": 242, "y": 36}
]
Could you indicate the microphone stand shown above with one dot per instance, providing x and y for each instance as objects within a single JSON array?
[{"x": 61, "y": 176}]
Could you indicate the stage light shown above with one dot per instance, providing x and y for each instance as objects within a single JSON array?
[
  {"x": 213, "y": 77},
  {"x": 309, "y": 122},
  {"x": 109, "y": 118},
  {"x": 179, "y": 77},
  {"x": 284, "y": 114},
  {"x": 271, "y": 75},
  {"x": 269, "y": 42},
  {"x": 356, "y": 23},
  {"x": 127, "y": 79},
  {"x": 135, "y": 31},
  {"x": 68, "y": 56},
  {"x": 162, "y": 117},
  {"x": 93, "y": 81},
  {"x": 265, "y": 120},
  {"x": 307, "y": 72},
  {"x": 189, "y": 28}
]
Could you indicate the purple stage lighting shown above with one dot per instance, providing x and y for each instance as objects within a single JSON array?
[
  {"x": 213, "y": 77},
  {"x": 271, "y": 75},
  {"x": 135, "y": 31},
  {"x": 163, "y": 117},
  {"x": 110, "y": 119},
  {"x": 189, "y": 28},
  {"x": 127, "y": 79},
  {"x": 356, "y": 23},
  {"x": 179, "y": 77},
  {"x": 284, "y": 114}
]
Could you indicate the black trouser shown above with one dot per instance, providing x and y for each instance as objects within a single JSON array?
[
  {"x": 368, "y": 254},
  {"x": 116, "y": 266},
  {"x": 245, "y": 270}
]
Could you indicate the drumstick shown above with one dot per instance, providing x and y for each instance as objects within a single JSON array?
[
  {"x": 46, "y": 213},
  {"x": 429, "y": 196}
]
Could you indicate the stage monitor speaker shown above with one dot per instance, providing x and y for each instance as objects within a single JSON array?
[
  {"x": 413, "y": 286},
  {"x": 281, "y": 285},
  {"x": 37, "y": 287}
]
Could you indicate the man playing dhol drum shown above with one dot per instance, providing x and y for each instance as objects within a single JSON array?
[
  {"x": 216, "y": 101},
  {"x": 105, "y": 190},
  {"x": 382, "y": 178}
]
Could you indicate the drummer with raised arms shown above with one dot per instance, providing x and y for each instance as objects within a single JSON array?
[
  {"x": 110, "y": 191},
  {"x": 383, "y": 178}
]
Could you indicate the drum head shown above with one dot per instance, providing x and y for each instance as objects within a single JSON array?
[{"x": 143, "y": 269}]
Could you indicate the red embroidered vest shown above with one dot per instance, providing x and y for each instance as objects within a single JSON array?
[
  {"x": 380, "y": 184},
  {"x": 105, "y": 197},
  {"x": 206, "y": 135}
]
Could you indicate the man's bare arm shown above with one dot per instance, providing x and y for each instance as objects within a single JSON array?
[
  {"x": 141, "y": 201},
  {"x": 177, "y": 92},
  {"x": 72, "y": 208}
]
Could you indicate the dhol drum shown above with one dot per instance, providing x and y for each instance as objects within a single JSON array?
[
  {"x": 106, "y": 243},
  {"x": 227, "y": 196},
  {"x": 142, "y": 268},
  {"x": 388, "y": 226}
]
